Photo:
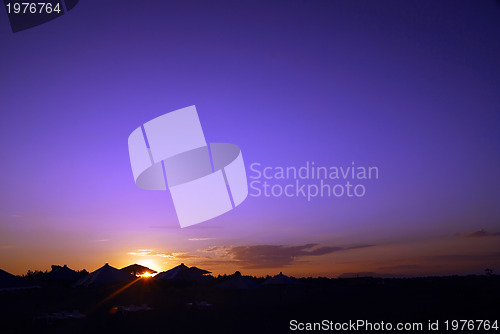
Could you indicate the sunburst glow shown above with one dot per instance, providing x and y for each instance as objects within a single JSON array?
[{"x": 146, "y": 275}]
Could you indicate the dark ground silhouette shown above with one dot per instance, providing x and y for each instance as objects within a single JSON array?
[{"x": 183, "y": 307}]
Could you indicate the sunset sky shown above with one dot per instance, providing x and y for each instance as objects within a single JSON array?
[{"x": 410, "y": 87}]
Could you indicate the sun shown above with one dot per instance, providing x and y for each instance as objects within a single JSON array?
[
  {"x": 146, "y": 275},
  {"x": 151, "y": 264}
]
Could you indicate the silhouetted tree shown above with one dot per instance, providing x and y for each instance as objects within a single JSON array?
[
  {"x": 55, "y": 267},
  {"x": 83, "y": 272},
  {"x": 36, "y": 275}
]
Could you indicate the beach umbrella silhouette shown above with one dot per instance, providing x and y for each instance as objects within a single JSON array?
[
  {"x": 12, "y": 282},
  {"x": 200, "y": 271},
  {"x": 137, "y": 269},
  {"x": 63, "y": 274},
  {"x": 104, "y": 275},
  {"x": 238, "y": 283},
  {"x": 183, "y": 273},
  {"x": 281, "y": 279},
  {"x": 282, "y": 282}
]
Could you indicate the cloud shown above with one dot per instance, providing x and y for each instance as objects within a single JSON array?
[
  {"x": 403, "y": 267},
  {"x": 211, "y": 262},
  {"x": 248, "y": 257},
  {"x": 200, "y": 239},
  {"x": 359, "y": 246},
  {"x": 168, "y": 256},
  {"x": 219, "y": 251},
  {"x": 273, "y": 256},
  {"x": 269, "y": 256},
  {"x": 478, "y": 234},
  {"x": 147, "y": 252},
  {"x": 447, "y": 258},
  {"x": 182, "y": 256}
]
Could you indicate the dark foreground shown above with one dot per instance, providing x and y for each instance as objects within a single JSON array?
[{"x": 182, "y": 308}]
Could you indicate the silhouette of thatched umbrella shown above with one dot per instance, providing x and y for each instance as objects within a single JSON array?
[
  {"x": 199, "y": 271},
  {"x": 282, "y": 281},
  {"x": 136, "y": 269},
  {"x": 238, "y": 283},
  {"x": 183, "y": 273},
  {"x": 12, "y": 282},
  {"x": 104, "y": 275},
  {"x": 63, "y": 274}
]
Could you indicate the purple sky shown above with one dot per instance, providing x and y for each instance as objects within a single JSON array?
[{"x": 411, "y": 87}]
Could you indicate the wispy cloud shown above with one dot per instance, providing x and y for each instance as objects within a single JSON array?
[
  {"x": 272, "y": 256},
  {"x": 248, "y": 257},
  {"x": 200, "y": 239},
  {"x": 148, "y": 252},
  {"x": 478, "y": 234},
  {"x": 218, "y": 251},
  {"x": 447, "y": 258},
  {"x": 403, "y": 267},
  {"x": 269, "y": 256},
  {"x": 167, "y": 255}
]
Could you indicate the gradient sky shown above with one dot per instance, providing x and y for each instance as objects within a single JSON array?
[{"x": 411, "y": 87}]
